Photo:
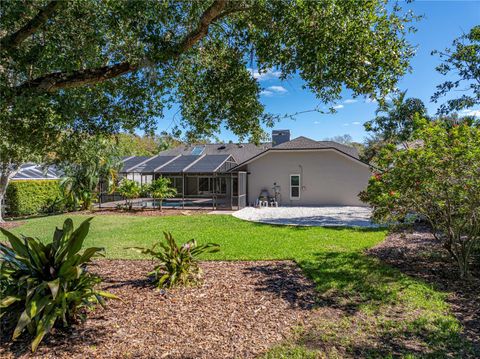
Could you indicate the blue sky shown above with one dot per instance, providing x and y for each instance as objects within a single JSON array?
[{"x": 443, "y": 22}]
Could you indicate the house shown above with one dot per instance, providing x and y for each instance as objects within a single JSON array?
[{"x": 298, "y": 172}]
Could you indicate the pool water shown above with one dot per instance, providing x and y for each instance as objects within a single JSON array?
[{"x": 175, "y": 204}]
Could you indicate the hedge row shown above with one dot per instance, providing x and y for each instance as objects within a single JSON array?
[{"x": 34, "y": 197}]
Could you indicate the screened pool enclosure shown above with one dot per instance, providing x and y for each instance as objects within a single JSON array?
[{"x": 202, "y": 181}]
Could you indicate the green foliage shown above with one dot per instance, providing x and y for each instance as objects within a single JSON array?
[
  {"x": 34, "y": 197},
  {"x": 133, "y": 145},
  {"x": 129, "y": 189},
  {"x": 86, "y": 164},
  {"x": 161, "y": 189},
  {"x": 395, "y": 119},
  {"x": 44, "y": 285},
  {"x": 62, "y": 75},
  {"x": 437, "y": 178},
  {"x": 394, "y": 123},
  {"x": 462, "y": 63},
  {"x": 178, "y": 265}
]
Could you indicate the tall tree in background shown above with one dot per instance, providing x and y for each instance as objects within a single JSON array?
[
  {"x": 463, "y": 62},
  {"x": 103, "y": 66},
  {"x": 147, "y": 145},
  {"x": 395, "y": 119},
  {"x": 394, "y": 123},
  {"x": 347, "y": 140}
]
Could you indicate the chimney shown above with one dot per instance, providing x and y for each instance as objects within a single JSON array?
[{"x": 280, "y": 136}]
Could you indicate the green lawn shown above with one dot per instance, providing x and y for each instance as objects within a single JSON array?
[
  {"x": 379, "y": 311},
  {"x": 239, "y": 240}
]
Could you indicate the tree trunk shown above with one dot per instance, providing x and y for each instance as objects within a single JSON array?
[
  {"x": 7, "y": 171},
  {"x": 3, "y": 190},
  {"x": 160, "y": 204}
]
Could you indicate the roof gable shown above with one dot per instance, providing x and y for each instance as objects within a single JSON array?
[{"x": 305, "y": 143}]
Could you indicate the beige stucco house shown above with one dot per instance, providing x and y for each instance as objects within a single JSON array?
[
  {"x": 298, "y": 172},
  {"x": 304, "y": 172}
]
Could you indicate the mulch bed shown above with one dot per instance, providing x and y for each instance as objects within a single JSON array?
[
  {"x": 10, "y": 225},
  {"x": 417, "y": 253},
  {"x": 146, "y": 212},
  {"x": 241, "y": 310}
]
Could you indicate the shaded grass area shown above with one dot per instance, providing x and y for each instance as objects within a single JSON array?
[
  {"x": 365, "y": 308},
  {"x": 375, "y": 311}
]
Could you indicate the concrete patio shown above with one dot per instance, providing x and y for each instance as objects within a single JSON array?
[{"x": 347, "y": 216}]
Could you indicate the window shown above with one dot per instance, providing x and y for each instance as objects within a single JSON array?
[{"x": 295, "y": 186}]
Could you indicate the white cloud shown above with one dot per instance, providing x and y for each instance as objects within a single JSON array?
[
  {"x": 356, "y": 123},
  {"x": 337, "y": 107},
  {"x": 470, "y": 112},
  {"x": 278, "y": 89},
  {"x": 274, "y": 90},
  {"x": 264, "y": 75},
  {"x": 345, "y": 125},
  {"x": 316, "y": 122},
  {"x": 350, "y": 100}
]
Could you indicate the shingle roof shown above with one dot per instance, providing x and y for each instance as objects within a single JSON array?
[
  {"x": 240, "y": 152},
  {"x": 304, "y": 143},
  {"x": 213, "y": 155}
]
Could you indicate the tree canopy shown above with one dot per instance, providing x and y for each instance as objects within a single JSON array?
[
  {"x": 463, "y": 62},
  {"x": 147, "y": 145},
  {"x": 105, "y": 65},
  {"x": 395, "y": 119}
]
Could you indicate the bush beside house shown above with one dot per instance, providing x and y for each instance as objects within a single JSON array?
[{"x": 34, "y": 197}]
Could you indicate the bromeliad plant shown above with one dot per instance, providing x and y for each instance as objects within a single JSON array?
[
  {"x": 178, "y": 265},
  {"x": 47, "y": 285}
]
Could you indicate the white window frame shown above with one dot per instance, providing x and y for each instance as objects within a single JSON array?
[{"x": 290, "y": 186}]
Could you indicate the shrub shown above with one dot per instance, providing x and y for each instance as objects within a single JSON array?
[
  {"x": 178, "y": 265},
  {"x": 144, "y": 190},
  {"x": 47, "y": 285},
  {"x": 160, "y": 189},
  {"x": 438, "y": 178},
  {"x": 34, "y": 197},
  {"x": 130, "y": 190}
]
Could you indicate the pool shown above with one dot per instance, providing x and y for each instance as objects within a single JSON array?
[{"x": 177, "y": 203}]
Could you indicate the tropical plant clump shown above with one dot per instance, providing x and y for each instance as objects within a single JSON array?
[
  {"x": 129, "y": 189},
  {"x": 177, "y": 265},
  {"x": 161, "y": 189},
  {"x": 436, "y": 178},
  {"x": 47, "y": 285},
  {"x": 87, "y": 166}
]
